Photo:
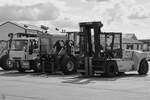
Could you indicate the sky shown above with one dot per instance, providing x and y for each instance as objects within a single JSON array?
[{"x": 126, "y": 16}]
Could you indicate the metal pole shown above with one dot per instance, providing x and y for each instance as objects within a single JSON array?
[
  {"x": 43, "y": 65},
  {"x": 3, "y": 97}
]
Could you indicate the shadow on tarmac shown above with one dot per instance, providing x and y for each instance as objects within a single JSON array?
[
  {"x": 93, "y": 79},
  {"x": 14, "y": 73},
  {"x": 71, "y": 79}
]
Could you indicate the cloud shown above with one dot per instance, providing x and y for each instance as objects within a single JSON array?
[
  {"x": 61, "y": 5},
  {"x": 94, "y": 0},
  {"x": 65, "y": 23},
  {"x": 35, "y": 12},
  {"x": 120, "y": 10},
  {"x": 139, "y": 12},
  {"x": 127, "y": 16},
  {"x": 116, "y": 15}
]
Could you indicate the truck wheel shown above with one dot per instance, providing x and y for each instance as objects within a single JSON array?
[
  {"x": 69, "y": 66},
  {"x": 3, "y": 62},
  {"x": 111, "y": 69},
  {"x": 143, "y": 69}
]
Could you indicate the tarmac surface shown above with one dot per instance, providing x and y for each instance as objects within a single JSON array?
[{"x": 33, "y": 86}]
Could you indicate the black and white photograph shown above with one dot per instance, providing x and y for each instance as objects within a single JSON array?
[{"x": 74, "y": 49}]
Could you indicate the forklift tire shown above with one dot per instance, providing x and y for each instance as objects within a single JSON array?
[
  {"x": 69, "y": 66},
  {"x": 21, "y": 70},
  {"x": 111, "y": 69},
  {"x": 3, "y": 62},
  {"x": 37, "y": 68},
  {"x": 143, "y": 69},
  {"x": 120, "y": 73},
  {"x": 82, "y": 73}
]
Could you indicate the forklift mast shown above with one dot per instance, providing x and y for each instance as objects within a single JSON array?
[
  {"x": 97, "y": 44},
  {"x": 86, "y": 38}
]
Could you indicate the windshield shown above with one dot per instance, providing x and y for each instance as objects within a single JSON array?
[{"x": 19, "y": 45}]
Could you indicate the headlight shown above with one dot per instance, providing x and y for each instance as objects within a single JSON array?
[{"x": 9, "y": 62}]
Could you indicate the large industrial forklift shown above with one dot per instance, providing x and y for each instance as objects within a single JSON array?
[
  {"x": 64, "y": 53},
  {"x": 102, "y": 53}
]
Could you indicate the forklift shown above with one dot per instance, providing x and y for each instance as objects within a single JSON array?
[
  {"x": 64, "y": 53},
  {"x": 102, "y": 53}
]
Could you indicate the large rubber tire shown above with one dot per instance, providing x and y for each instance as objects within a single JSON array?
[
  {"x": 69, "y": 66},
  {"x": 3, "y": 62},
  {"x": 143, "y": 68},
  {"x": 21, "y": 70},
  {"x": 111, "y": 69}
]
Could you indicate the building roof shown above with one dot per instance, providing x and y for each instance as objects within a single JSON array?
[
  {"x": 33, "y": 27},
  {"x": 131, "y": 41},
  {"x": 145, "y": 40},
  {"x": 129, "y": 36},
  {"x": 25, "y": 26},
  {"x": 30, "y": 27}
]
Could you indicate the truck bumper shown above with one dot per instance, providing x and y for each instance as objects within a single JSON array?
[{"x": 14, "y": 64}]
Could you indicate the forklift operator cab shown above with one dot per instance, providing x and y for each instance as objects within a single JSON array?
[
  {"x": 97, "y": 44},
  {"x": 112, "y": 44}
]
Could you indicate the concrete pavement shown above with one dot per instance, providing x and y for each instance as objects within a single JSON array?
[{"x": 31, "y": 86}]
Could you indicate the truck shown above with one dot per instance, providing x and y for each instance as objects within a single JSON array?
[
  {"x": 37, "y": 52},
  {"x": 102, "y": 53}
]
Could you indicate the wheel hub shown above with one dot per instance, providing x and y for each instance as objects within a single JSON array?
[
  {"x": 38, "y": 66},
  {"x": 70, "y": 66}
]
